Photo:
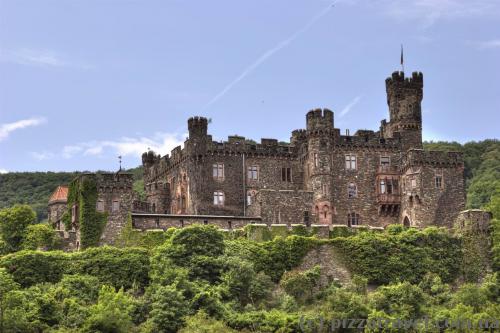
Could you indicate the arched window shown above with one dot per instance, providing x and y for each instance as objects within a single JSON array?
[
  {"x": 326, "y": 209},
  {"x": 353, "y": 219},
  {"x": 352, "y": 190},
  {"x": 406, "y": 221}
]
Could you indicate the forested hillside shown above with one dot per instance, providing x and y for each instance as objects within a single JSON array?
[
  {"x": 35, "y": 188},
  {"x": 482, "y": 174}
]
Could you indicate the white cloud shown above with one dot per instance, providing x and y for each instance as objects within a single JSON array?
[
  {"x": 489, "y": 44},
  {"x": 41, "y": 58},
  {"x": 7, "y": 129},
  {"x": 41, "y": 156},
  {"x": 3, "y": 171},
  {"x": 161, "y": 143},
  {"x": 349, "y": 106}
]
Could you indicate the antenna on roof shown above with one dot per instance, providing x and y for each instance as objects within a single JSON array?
[{"x": 120, "y": 160}]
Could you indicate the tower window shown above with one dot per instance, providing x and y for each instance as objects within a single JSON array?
[
  {"x": 438, "y": 181},
  {"x": 286, "y": 174},
  {"x": 253, "y": 172},
  {"x": 413, "y": 183},
  {"x": 218, "y": 170},
  {"x": 316, "y": 160},
  {"x": 352, "y": 190},
  {"x": 115, "y": 207},
  {"x": 385, "y": 160},
  {"x": 350, "y": 162},
  {"x": 353, "y": 219},
  {"x": 100, "y": 206},
  {"x": 325, "y": 189},
  {"x": 219, "y": 198}
]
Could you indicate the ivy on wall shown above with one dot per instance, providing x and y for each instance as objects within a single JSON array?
[{"x": 83, "y": 192}]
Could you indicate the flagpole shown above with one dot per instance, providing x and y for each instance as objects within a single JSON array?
[{"x": 402, "y": 59}]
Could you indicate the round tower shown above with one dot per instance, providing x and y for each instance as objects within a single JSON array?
[
  {"x": 319, "y": 134},
  {"x": 404, "y": 98}
]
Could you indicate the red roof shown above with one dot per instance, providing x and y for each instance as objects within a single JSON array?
[{"x": 60, "y": 194}]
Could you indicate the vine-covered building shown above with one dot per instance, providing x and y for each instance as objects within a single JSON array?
[{"x": 322, "y": 176}]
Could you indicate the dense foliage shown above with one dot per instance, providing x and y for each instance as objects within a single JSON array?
[
  {"x": 200, "y": 279},
  {"x": 83, "y": 192}
]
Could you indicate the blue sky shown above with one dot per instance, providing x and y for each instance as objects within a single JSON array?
[{"x": 83, "y": 81}]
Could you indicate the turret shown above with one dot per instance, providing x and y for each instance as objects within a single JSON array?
[
  {"x": 319, "y": 119},
  {"x": 197, "y": 127},
  {"x": 404, "y": 97},
  {"x": 149, "y": 158}
]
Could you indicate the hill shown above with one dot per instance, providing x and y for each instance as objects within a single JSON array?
[{"x": 35, "y": 188}]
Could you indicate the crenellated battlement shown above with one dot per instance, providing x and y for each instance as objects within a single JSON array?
[
  {"x": 398, "y": 79},
  {"x": 197, "y": 126},
  {"x": 319, "y": 119},
  {"x": 439, "y": 159}
]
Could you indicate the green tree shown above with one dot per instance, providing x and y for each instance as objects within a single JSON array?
[
  {"x": 7, "y": 284},
  {"x": 111, "y": 314},
  {"x": 202, "y": 323},
  {"x": 13, "y": 224},
  {"x": 41, "y": 237},
  {"x": 167, "y": 310}
]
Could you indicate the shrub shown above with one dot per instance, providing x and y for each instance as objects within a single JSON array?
[
  {"x": 32, "y": 267},
  {"x": 113, "y": 266},
  {"x": 41, "y": 237}
]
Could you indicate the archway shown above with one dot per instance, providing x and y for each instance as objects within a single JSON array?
[{"x": 406, "y": 222}]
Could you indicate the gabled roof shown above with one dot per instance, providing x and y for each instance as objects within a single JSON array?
[{"x": 60, "y": 194}]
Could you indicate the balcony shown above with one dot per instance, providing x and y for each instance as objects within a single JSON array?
[
  {"x": 386, "y": 198},
  {"x": 387, "y": 170},
  {"x": 141, "y": 207}
]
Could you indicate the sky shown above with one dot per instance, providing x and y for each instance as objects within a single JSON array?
[{"x": 84, "y": 81}]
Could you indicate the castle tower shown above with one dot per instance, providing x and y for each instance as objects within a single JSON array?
[
  {"x": 320, "y": 131},
  {"x": 404, "y": 97},
  {"x": 198, "y": 127}
]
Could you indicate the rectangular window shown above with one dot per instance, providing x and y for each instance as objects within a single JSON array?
[
  {"x": 219, "y": 198},
  {"x": 350, "y": 162},
  {"x": 382, "y": 187},
  {"x": 218, "y": 171},
  {"x": 413, "y": 183},
  {"x": 316, "y": 160},
  {"x": 352, "y": 219},
  {"x": 100, "y": 206},
  {"x": 389, "y": 186},
  {"x": 385, "y": 160},
  {"x": 438, "y": 180},
  {"x": 286, "y": 174},
  {"x": 325, "y": 189},
  {"x": 73, "y": 213},
  {"x": 352, "y": 191},
  {"x": 253, "y": 172},
  {"x": 115, "y": 206}
]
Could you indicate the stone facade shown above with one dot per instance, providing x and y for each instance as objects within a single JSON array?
[{"x": 322, "y": 177}]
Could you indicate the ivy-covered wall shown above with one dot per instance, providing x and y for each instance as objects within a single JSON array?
[{"x": 90, "y": 223}]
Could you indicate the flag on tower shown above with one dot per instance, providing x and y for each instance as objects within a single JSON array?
[{"x": 402, "y": 62}]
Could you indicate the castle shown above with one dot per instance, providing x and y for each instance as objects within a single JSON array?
[{"x": 321, "y": 177}]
